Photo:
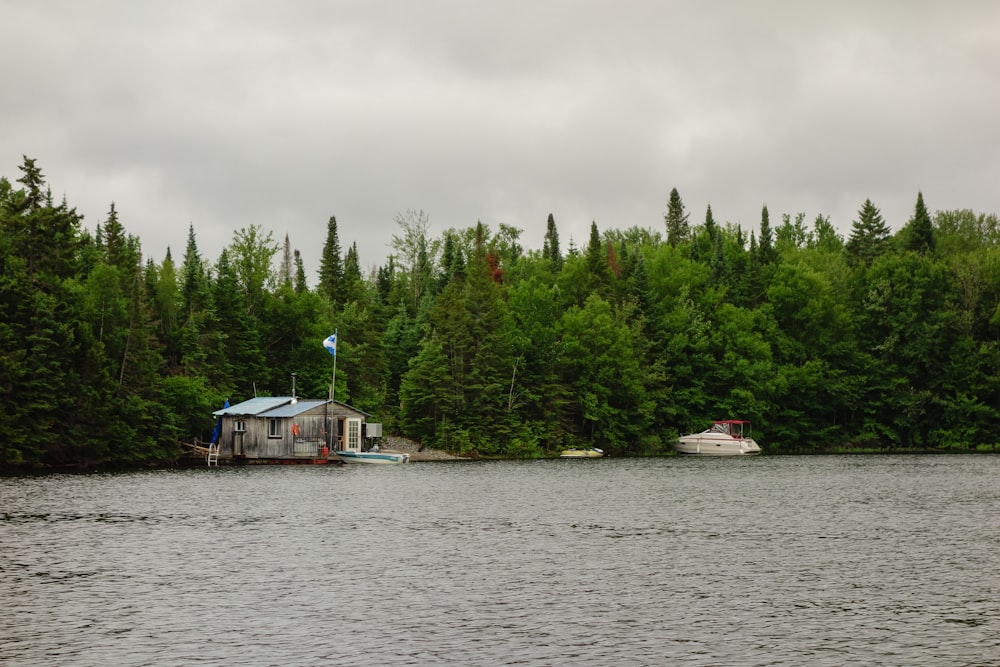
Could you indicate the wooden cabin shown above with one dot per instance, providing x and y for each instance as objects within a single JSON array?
[{"x": 287, "y": 429}]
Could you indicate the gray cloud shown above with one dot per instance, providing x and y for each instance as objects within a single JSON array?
[{"x": 225, "y": 115}]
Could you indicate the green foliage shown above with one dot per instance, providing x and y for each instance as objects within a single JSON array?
[
  {"x": 869, "y": 235},
  {"x": 251, "y": 253},
  {"x": 676, "y": 219},
  {"x": 918, "y": 235},
  {"x": 331, "y": 267},
  {"x": 471, "y": 344},
  {"x": 550, "y": 245}
]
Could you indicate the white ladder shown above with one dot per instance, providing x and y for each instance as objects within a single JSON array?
[{"x": 213, "y": 454}]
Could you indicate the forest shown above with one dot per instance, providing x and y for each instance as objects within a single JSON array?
[{"x": 881, "y": 341}]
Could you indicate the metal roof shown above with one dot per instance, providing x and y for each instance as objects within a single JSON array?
[
  {"x": 254, "y": 406},
  {"x": 292, "y": 409},
  {"x": 277, "y": 406}
]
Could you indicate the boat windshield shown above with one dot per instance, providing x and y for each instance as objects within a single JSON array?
[{"x": 733, "y": 428}]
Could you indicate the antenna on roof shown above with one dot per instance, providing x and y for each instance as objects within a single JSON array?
[{"x": 294, "y": 399}]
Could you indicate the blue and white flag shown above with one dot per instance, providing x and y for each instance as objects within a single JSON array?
[{"x": 330, "y": 343}]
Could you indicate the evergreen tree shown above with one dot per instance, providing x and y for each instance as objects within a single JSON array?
[
  {"x": 766, "y": 253},
  {"x": 710, "y": 226},
  {"x": 452, "y": 264},
  {"x": 164, "y": 299},
  {"x": 285, "y": 269},
  {"x": 869, "y": 235},
  {"x": 597, "y": 260},
  {"x": 490, "y": 361},
  {"x": 19, "y": 444},
  {"x": 536, "y": 395},
  {"x": 428, "y": 405},
  {"x": 676, "y": 219},
  {"x": 33, "y": 180},
  {"x": 194, "y": 284},
  {"x": 918, "y": 234},
  {"x": 355, "y": 290},
  {"x": 46, "y": 236},
  {"x": 550, "y": 245},
  {"x": 114, "y": 241},
  {"x": 331, "y": 268},
  {"x": 300, "y": 274},
  {"x": 245, "y": 362}
]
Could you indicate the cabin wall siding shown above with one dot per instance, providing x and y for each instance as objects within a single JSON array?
[{"x": 309, "y": 442}]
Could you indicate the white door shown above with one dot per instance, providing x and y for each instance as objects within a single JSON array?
[{"x": 353, "y": 434}]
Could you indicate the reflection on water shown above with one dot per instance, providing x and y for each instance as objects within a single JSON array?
[{"x": 763, "y": 561}]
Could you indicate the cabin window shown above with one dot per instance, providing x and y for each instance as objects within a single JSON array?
[
  {"x": 274, "y": 428},
  {"x": 240, "y": 426}
]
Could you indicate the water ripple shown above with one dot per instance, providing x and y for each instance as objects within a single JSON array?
[{"x": 769, "y": 561}]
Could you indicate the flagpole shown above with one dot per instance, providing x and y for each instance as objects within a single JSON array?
[
  {"x": 333, "y": 377},
  {"x": 330, "y": 343}
]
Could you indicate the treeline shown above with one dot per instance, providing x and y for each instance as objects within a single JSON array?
[{"x": 469, "y": 343}]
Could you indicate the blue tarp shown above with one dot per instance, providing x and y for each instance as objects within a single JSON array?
[{"x": 217, "y": 431}]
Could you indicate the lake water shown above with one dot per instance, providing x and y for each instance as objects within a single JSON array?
[{"x": 868, "y": 560}]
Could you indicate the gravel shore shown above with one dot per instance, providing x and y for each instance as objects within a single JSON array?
[{"x": 406, "y": 446}]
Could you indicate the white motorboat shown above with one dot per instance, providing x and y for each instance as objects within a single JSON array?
[
  {"x": 589, "y": 453},
  {"x": 727, "y": 437},
  {"x": 348, "y": 456}
]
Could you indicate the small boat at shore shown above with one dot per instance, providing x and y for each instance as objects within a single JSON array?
[
  {"x": 726, "y": 437},
  {"x": 372, "y": 456},
  {"x": 578, "y": 453}
]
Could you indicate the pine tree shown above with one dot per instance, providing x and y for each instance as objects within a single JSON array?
[
  {"x": 33, "y": 181},
  {"x": 869, "y": 235},
  {"x": 331, "y": 268},
  {"x": 46, "y": 236},
  {"x": 113, "y": 239},
  {"x": 678, "y": 231},
  {"x": 164, "y": 299},
  {"x": 300, "y": 274},
  {"x": 766, "y": 252},
  {"x": 285, "y": 269},
  {"x": 428, "y": 403},
  {"x": 244, "y": 359},
  {"x": 597, "y": 259},
  {"x": 451, "y": 260},
  {"x": 918, "y": 235},
  {"x": 19, "y": 444},
  {"x": 354, "y": 285},
  {"x": 710, "y": 226},
  {"x": 550, "y": 245},
  {"x": 194, "y": 284},
  {"x": 489, "y": 356}
]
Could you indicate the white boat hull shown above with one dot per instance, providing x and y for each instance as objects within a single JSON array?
[
  {"x": 701, "y": 444},
  {"x": 378, "y": 458},
  {"x": 592, "y": 453}
]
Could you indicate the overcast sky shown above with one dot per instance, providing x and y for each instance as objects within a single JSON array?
[{"x": 224, "y": 115}]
